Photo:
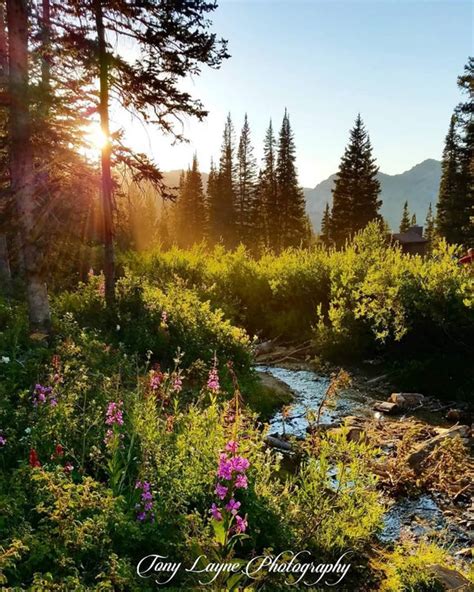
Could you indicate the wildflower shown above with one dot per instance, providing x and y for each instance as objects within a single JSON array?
[
  {"x": 33, "y": 458},
  {"x": 177, "y": 384},
  {"x": 156, "y": 378},
  {"x": 213, "y": 380},
  {"x": 232, "y": 446},
  {"x": 114, "y": 415},
  {"x": 239, "y": 464},
  {"x": 216, "y": 513},
  {"x": 225, "y": 469},
  {"x": 3, "y": 440},
  {"x": 221, "y": 491},
  {"x": 68, "y": 468},
  {"x": 241, "y": 524},
  {"x": 5, "y": 360},
  {"x": 233, "y": 506},
  {"x": 117, "y": 327},
  {"x": 145, "y": 506},
  {"x": 241, "y": 482},
  {"x": 41, "y": 394},
  {"x": 59, "y": 450}
]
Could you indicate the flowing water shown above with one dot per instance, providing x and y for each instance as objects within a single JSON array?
[
  {"x": 420, "y": 516},
  {"x": 309, "y": 388}
]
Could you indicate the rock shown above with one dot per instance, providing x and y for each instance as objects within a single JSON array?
[
  {"x": 450, "y": 579},
  {"x": 386, "y": 407},
  {"x": 407, "y": 400},
  {"x": 266, "y": 347},
  {"x": 323, "y": 427},
  {"x": 459, "y": 416},
  {"x": 276, "y": 385},
  {"x": 416, "y": 458},
  {"x": 275, "y": 442}
]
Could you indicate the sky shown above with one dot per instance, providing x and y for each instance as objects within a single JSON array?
[{"x": 394, "y": 61}]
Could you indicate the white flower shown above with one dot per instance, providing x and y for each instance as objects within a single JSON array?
[
  {"x": 5, "y": 360},
  {"x": 118, "y": 327}
]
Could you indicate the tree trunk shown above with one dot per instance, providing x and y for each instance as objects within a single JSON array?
[
  {"x": 21, "y": 163},
  {"x": 5, "y": 274},
  {"x": 107, "y": 211}
]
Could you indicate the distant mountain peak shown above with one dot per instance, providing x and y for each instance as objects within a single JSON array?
[{"x": 418, "y": 186}]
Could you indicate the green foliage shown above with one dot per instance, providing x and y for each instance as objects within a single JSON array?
[{"x": 407, "y": 567}]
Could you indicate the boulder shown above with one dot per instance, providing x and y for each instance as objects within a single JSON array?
[
  {"x": 450, "y": 579},
  {"x": 275, "y": 442},
  {"x": 407, "y": 400},
  {"x": 277, "y": 386},
  {"x": 416, "y": 458},
  {"x": 459, "y": 415},
  {"x": 386, "y": 407}
]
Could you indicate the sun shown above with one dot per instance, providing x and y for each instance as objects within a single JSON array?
[{"x": 95, "y": 137}]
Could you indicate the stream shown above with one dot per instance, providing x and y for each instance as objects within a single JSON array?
[{"x": 420, "y": 516}]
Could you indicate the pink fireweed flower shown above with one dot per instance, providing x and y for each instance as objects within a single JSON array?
[
  {"x": 232, "y": 446},
  {"x": 114, "y": 415},
  {"x": 213, "y": 381},
  {"x": 216, "y": 513},
  {"x": 3, "y": 441},
  {"x": 233, "y": 506},
  {"x": 177, "y": 384},
  {"x": 239, "y": 464},
  {"x": 221, "y": 491},
  {"x": 225, "y": 469},
  {"x": 241, "y": 482},
  {"x": 241, "y": 524},
  {"x": 156, "y": 378}
]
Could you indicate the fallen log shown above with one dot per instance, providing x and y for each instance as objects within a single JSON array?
[
  {"x": 275, "y": 442},
  {"x": 407, "y": 400},
  {"x": 386, "y": 407}
]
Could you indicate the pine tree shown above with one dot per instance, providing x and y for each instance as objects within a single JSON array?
[
  {"x": 413, "y": 220},
  {"x": 430, "y": 226},
  {"x": 246, "y": 187},
  {"x": 356, "y": 191},
  {"x": 293, "y": 229},
  {"x": 212, "y": 205},
  {"x": 171, "y": 40},
  {"x": 465, "y": 115},
  {"x": 268, "y": 190},
  {"x": 326, "y": 226},
  {"x": 222, "y": 192},
  {"x": 191, "y": 208},
  {"x": 450, "y": 198},
  {"x": 405, "y": 221},
  {"x": 21, "y": 162}
]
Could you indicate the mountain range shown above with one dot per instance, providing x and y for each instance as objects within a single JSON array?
[{"x": 419, "y": 186}]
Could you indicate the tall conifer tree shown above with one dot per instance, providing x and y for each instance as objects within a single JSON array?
[
  {"x": 430, "y": 226},
  {"x": 405, "y": 221},
  {"x": 293, "y": 228},
  {"x": 246, "y": 187},
  {"x": 356, "y": 192},
  {"x": 224, "y": 208},
  {"x": 450, "y": 199},
  {"x": 326, "y": 226},
  {"x": 268, "y": 189}
]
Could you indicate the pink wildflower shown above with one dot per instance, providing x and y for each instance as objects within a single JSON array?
[
  {"x": 216, "y": 513},
  {"x": 221, "y": 491},
  {"x": 241, "y": 482},
  {"x": 241, "y": 524}
]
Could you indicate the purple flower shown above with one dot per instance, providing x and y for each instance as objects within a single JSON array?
[
  {"x": 145, "y": 506},
  {"x": 232, "y": 446},
  {"x": 156, "y": 378},
  {"x": 221, "y": 491},
  {"x": 233, "y": 506},
  {"x": 41, "y": 394},
  {"x": 239, "y": 464},
  {"x": 241, "y": 524},
  {"x": 225, "y": 469},
  {"x": 241, "y": 482},
  {"x": 3, "y": 441},
  {"x": 216, "y": 513}
]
